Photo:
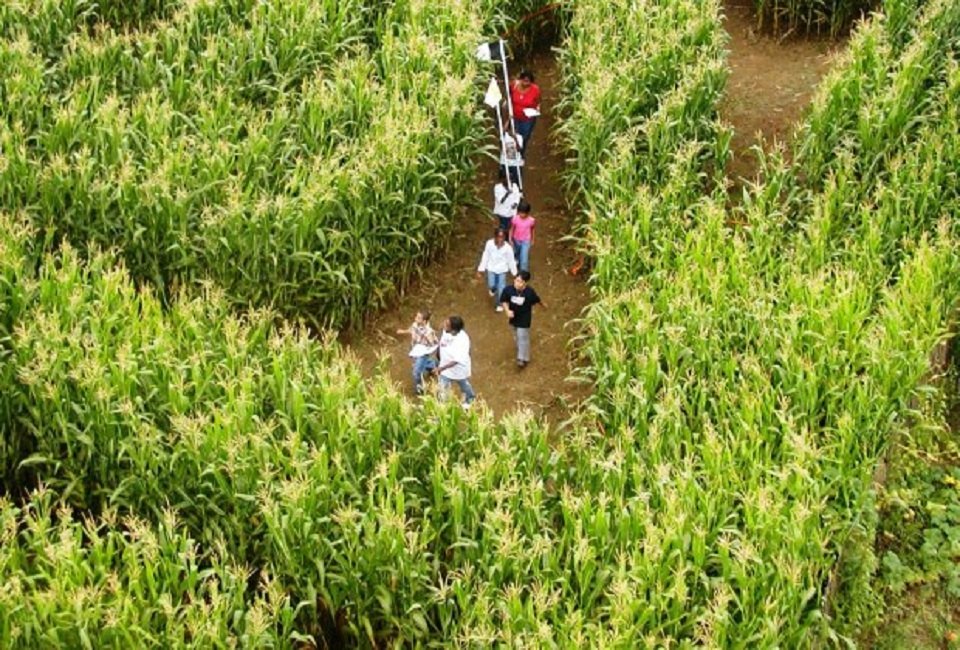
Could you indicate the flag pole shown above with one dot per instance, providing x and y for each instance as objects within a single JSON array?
[
  {"x": 513, "y": 128},
  {"x": 506, "y": 85},
  {"x": 503, "y": 153}
]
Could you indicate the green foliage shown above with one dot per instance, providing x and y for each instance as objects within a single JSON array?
[
  {"x": 262, "y": 146},
  {"x": 773, "y": 363},
  {"x": 832, "y": 17},
  {"x": 216, "y": 478}
]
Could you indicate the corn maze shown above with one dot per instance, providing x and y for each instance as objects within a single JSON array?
[{"x": 194, "y": 196}]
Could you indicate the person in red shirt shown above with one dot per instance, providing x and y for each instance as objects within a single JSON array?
[{"x": 525, "y": 97}]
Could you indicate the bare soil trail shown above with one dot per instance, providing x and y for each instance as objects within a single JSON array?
[
  {"x": 772, "y": 81},
  {"x": 449, "y": 286}
]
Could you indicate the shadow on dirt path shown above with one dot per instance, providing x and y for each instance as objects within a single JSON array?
[{"x": 449, "y": 286}]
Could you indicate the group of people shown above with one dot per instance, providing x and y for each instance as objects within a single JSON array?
[{"x": 508, "y": 251}]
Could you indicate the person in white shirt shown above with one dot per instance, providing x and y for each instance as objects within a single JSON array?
[
  {"x": 455, "y": 366},
  {"x": 506, "y": 198},
  {"x": 497, "y": 260},
  {"x": 511, "y": 158}
]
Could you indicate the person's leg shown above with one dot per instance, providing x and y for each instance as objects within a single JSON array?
[
  {"x": 419, "y": 367},
  {"x": 523, "y": 345},
  {"x": 522, "y": 251},
  {"x": 501, "y": 281},
  {"x": 468, "y": 393},
  {"x": 525, "y": 130},
  {"x": 505, "y": 223},
  {"x": 444, "y": 388},
  {"x": 492, "y": 284},
  {"x": 429, "y": 363}
]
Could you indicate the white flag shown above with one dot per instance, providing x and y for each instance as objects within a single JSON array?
[{"x": 493, "y": 96}]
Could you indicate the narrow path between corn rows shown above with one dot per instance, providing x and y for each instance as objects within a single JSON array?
[
  {"x": 771, "y": 82},
  {"x": 449, "y": 286}
]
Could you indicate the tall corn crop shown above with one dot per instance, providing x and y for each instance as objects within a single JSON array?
[
  {"x": 831, "y": 17},
  {"x": 213, "y": 478},
  {"x": 751, "y": 379},
  {"x": 262, "y": 146}
]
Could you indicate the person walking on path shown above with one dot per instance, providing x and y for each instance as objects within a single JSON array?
[
  {"x": 506, "y": 198},
  {"x": 511, "y": 156},
  {"x": 521, "y": 234},
  {"x": 455, "y": 366},
  {"x": 525, "y": 97},
  {"x": 496, "y": 261},
  {"x": 518, "y": 301},
  {"x": 423, "y": 347}
]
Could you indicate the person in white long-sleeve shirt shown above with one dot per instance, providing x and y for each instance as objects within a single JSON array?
[{"x": 497, "y": 260}]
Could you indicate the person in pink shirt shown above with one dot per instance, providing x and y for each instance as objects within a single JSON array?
[{"x": 521, "y": 235}]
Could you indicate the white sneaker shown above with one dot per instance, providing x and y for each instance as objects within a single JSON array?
[
  {"x": 499, "y": 308},
  {"x": 467, "y": 405}
]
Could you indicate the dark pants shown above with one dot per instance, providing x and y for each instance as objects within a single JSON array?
[
  {"x": 525, "y": 129},
  {"x": 512, "y": 173}
]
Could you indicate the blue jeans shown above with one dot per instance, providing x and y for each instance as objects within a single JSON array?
[
  {"x": 421, "y": 366},
  {"x": 522, "y": 251},
  {"x": 525, "y": 129},
  {"x": 496, "y": 282},
  {"x": 465, "y": 388}
]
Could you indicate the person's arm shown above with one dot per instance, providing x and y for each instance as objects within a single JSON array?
[
  {"x": 484, "y": 259},
  {"x": 510, "y": 234},
  {"x": 533, "y": 227},
  {"x": 537, "y": 300}
]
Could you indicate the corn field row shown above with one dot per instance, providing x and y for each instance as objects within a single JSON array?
[
  {"x": 757, "y": 375},
  {"x": 202, "y": 477},
  {"x": 293, "y": 153}
]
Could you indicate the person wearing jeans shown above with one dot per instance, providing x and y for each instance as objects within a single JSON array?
[
  {"x": 455, "y": 366},
  {"x": 518, "y": 301},
  {"x": 422, "y": 365},
  {"x": 521, "y": 235},
  {"x": 496, "y": 261},
  {"x": 423, "y": 346}
]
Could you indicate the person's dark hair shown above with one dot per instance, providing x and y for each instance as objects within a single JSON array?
[
  {"x": 456, "y": 324},
  {"x": 524, "y": 206},
  {"x": 426, "y": 314},
  {"x": 526, "y": 74},
  {"x": 499, "y": 231},
  {"x": 524, "y": 275}
]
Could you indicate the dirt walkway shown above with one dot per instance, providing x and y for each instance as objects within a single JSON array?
[
  {"x": 450, "y": 287},
  {"x": 771, "y": 83}
]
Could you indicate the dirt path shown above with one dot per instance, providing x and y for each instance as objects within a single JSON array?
[
  {"x": 771, "y": 83},
  {"x": 450, "y": 286}
]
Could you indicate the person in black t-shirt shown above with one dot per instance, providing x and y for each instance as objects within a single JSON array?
[{"x": 518, "y": 302}]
